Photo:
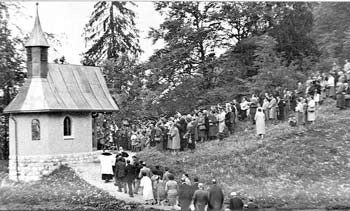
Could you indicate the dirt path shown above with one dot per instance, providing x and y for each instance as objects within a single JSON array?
[{"x": 90, "y": 172}]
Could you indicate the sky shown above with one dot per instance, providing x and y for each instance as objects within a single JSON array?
[{"x": 67, "y": 19}]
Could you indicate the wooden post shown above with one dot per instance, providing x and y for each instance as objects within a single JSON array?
[{"x": 94, "y": 133}]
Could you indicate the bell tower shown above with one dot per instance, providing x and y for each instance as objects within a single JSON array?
[{"x": 37, "y": 51}]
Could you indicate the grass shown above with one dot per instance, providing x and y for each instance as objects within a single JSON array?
[
  {"x": 61, "y": 190},
  {"x": 294, "y": 167}
]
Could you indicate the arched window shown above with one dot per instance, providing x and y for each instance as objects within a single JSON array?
[
  {"x": 35, "y": 130},
  {"x": 67, "y": 126}
]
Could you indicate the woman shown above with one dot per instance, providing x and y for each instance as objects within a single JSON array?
[
  {"x": 311, "y": 110},
  {"x": 221, "y": 119},
  {"x": 174, "y": 137},
  {"x": 147, "y": 190},
  {"x": 190, "y": 134},
  {"x": 340, "y": 96},
  {"x": 260, "y": 123},
  {"x": 272, "y": 109},
  {"x": 159, "y": 185},
  {"x": 201, "y": 127},
  {"x": 299, "y": 111},
  {"x": 171, "y": 188}
]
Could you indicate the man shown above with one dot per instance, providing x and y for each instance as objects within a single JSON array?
[
  {"x": 130, "y": 172},
  {"x": 200, "y": 198},
  {"x": 146, "y": 170},
  {"x": 185, "y": 195},
  {"x": 138, "y": 166},
  {"x": 195, "y": 183},
  {"x": 119, "y": 174},
  {"x": 236, "y": 202},
  {"x": 216, "y": 197}
]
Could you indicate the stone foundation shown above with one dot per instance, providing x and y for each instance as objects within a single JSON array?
[{"x": 32, "y": 168}]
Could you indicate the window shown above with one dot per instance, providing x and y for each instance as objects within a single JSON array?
[
  {"x": 35, "y": 130},
  {"x": 67, "y": 126}
]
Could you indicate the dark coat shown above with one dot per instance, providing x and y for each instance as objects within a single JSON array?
[
  {"x": 216, "y": 198},
  {"x": 185, "y": 196},
  {"x": 200, "y": 198},
  {"x": 119, "y": 169},
  {"x": 130, "y": 171},
  {"x": 236, "y": 203}
]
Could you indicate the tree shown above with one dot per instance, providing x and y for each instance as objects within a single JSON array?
[
  {"x": 273, "y": 71},
  {"x": 111, "y": 32},
  {"x": 332, "y": 32},
  {"x": 11, "y": 75}
]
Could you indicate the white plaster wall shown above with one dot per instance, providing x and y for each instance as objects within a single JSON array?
[
  {"x": 51, "y": 137},
  {"x": 81, "y": 140}
]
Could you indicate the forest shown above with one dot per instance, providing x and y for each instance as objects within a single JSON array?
[{"x": 214, "y": 52}]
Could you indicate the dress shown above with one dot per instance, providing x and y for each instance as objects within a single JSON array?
[
  {"x": 171, "y": 189},
  {"x": 311, "y": 113},
  {"x": 221, "y": 119},
  {"x": 174, "y": 138},
  {"x": 147, "y": 192},
  {"x": 260, "y": 123},
  {"x": 272, "y": 109}
]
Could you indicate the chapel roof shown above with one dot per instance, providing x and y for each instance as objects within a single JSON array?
[
  {"x": 37, "y": 36},
  {"x": 72, "y": 88}
]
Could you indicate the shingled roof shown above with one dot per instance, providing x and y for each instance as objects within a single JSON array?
[{"x": 71, "y": 88}]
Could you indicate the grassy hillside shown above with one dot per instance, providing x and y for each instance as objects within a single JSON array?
[{"x": 294, "y": 167}]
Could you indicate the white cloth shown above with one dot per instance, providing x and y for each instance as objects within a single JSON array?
[
  {"x": 147, "y": 192},
  {"x": 107, "y": 161},
  {"x": 311, "y": 111},
  {"x": 330, "y": 81},
  {"x": 260, "y": 123},
  {"x": 221, "y": 119}
]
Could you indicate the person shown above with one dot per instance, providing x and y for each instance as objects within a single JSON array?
[
  {"x": 236, "y": 202},
  {"x": 119, "y": 174},
  {"x": 166, "y": 174},
  {"x": 195, "y": 183},
  {"x": 134, "y": 141},
  {"x": 190, "y": 133},
  {"x": 260, "y": 122},
  {"x": 340, "y": 96},
  {"x": 300, "y": 111},
  {"x": 213, "y": 128},
  {"x": 185, "y": 195},
  {"x": 130, "y": 172},
  {"x": 158, "y": 137},
  {"x": 200, "y": 198},
  {"x": 186, "y": 178},
  {"x": 146, "y": 170},
  {"x": 157, "y": 171},
  {"x": 311, "y": 108},
  {"x": 272, "y": 109},
  {"x": 229, "y": 118},
  {"x": 147, "y": 190},
  {"x": 251, "y": 205},
  {"x": 138, "y": 167},
  {"x": 171, "y": 188},
  {"x": 175, "y": 141},
  {"x": 252, "y": 108},
  {"x": 182, "y": 126},
  {"x": 216, "y": 197},
  {"x": 330, "y": 86},
  {"x": 107, "y": 160},
  {"x": 159, "y": 185},
  {"x": 202, "y": 127},
  {"x": 221, "y": 119}
]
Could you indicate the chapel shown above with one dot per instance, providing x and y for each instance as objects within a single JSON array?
[{"x": 51, "y": 117}]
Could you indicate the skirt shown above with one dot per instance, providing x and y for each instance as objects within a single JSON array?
[{"x": 172, "y": 195}]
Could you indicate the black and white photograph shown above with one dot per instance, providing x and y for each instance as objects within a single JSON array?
[{"x": 175, "y": 105}]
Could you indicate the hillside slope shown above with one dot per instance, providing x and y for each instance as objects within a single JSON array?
[{"x": 294, "y": 167}]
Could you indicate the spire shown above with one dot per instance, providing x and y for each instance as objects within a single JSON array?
[{"x": 37, "y": 37}]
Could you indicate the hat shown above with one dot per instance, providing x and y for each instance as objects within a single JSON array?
[
  {"x": 233, "y": 194},
  {"x": 213, "y": 181}
]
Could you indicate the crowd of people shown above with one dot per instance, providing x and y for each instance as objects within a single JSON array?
[
  {"x": 158, "y": 185},
  {"x": 182, "y": 131}
]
